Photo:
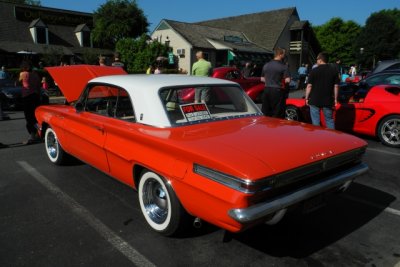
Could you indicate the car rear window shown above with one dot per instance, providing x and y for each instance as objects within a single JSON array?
[{"x": 183, "y": 106}]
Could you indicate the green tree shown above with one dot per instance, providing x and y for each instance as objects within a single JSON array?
[
  {"x": 380, "y": 37},
  {"x": 139, "y": 53},
  {"x": 116, "y": 20},
  {"x": 393, "y": 13},
  {"x": 27, "y": 2},
  {"x": 337, "y": 38}
]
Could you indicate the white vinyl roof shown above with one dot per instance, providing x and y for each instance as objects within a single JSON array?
[{"x": 144, "y": 92}]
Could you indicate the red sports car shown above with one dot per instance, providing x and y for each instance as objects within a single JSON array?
[{"x": 371, "y": 111}]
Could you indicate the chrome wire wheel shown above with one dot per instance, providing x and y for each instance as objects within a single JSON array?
[
  {"x": 389, "y": 131},
  {"x": 155, "y": 201}
]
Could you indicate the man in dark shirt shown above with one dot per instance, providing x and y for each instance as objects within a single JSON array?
[
  {"x": 322, "y": 91},
  {"x": 275, "y": 74},
  {"x": 338, "y": 66}
]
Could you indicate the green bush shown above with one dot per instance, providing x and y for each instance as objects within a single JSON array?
[{"x": 138, "y": 54}]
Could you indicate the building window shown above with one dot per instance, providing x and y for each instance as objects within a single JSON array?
[
  {"x": 39, "y": 32},
  {"x": 86, "y": 39},
  {"x": 41, "y": 35},
  {"x": 206, "y": 56},
  {"x": 82, "y": 33}
]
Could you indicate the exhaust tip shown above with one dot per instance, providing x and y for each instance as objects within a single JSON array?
[
  {"x": 277, "y": 217},
  {"x": 345, "y": 186},
  {"x": 197, "y": 223}
]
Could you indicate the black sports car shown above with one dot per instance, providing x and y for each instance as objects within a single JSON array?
[{"x": 11, "y": 95}]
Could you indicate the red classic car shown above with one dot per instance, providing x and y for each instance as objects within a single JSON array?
[
  {"x": 221, "y": 162},
  {"x": 252, "y": 85},
  {"x": 366, "y": 108}
]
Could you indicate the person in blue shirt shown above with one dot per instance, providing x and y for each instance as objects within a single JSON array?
[
  {"x": 3, "y": 76},
  {"x": 3, "y": 73},
  {"x": 303, "y": 72}
]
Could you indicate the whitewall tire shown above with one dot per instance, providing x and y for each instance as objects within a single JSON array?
[
  {"x": 159, "y": 204},
  {"x": 54, "y": 150}
]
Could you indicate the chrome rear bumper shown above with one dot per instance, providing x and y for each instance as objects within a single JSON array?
[{"x": 261, "y": 210}]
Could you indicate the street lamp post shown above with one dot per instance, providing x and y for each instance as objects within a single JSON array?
[
  {"x": 167, "y": 41},
  {"x": 361, "y": 54}
]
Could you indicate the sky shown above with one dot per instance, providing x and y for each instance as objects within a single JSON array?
[{"x": 317, "y": 12}]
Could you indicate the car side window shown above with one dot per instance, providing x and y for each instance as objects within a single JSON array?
[
  {"x": 98, "y": 100},
  {"x": 384, "y": 79},
  {"x": 109, "y": 101},
  {"x": 394, "y": 80},
  {"x": 123, "y": 107},
  {"x": 232, "y": 75}
]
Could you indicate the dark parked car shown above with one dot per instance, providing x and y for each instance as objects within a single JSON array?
[
  {"x": 387, "y": 77},
  {"x": 11, "y": 95},
  {"x": 392, "y": 64}
]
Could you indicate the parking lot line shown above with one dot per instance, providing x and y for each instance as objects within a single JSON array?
[
  {"x": 117, "y": 242},
  {"x": 383, "y": 151},
  {"x": 365, "y": 202}
]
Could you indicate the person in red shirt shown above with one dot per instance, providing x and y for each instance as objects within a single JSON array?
[
  {"x": 30, "y": 81},
  {"x": 45, "y": 85}
]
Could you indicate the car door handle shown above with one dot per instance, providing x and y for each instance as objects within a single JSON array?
[{"x": 98, "y": 128}]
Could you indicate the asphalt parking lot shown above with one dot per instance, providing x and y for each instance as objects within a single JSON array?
[{"x": 77, "y": 216}]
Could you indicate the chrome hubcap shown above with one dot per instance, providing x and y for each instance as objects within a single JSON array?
[
  {"x": 291, "y": 115},
  {"x": 391, "y": 131},
  {"x": 52, "y": 145},
  {"x": 155, "y": 201}
]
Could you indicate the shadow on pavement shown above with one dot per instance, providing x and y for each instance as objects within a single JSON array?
[
  {"x": 299, "y": 236},
  {"x": 13, "y": 145},
  {"x": 13, "y": 119}
]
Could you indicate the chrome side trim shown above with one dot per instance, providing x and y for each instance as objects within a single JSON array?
[{"x": 260, "y": 210}]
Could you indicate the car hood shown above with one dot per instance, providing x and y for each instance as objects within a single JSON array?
[
  {"x": 72, "y": 79},
  {"x": 269, "y": 145},
  {"x": 14, "y": 90}
]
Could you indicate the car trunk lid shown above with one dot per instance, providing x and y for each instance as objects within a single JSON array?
[{"x": 269, "y": 145}]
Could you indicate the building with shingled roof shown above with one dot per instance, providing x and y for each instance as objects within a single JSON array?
[
  {"x": 250, "y": 37},
  {"x": 29, "y": 32}
]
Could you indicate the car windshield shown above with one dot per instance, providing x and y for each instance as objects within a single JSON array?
[
  {"x": 385, "y": 78},
  {"x": 215, "y": 102}
]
